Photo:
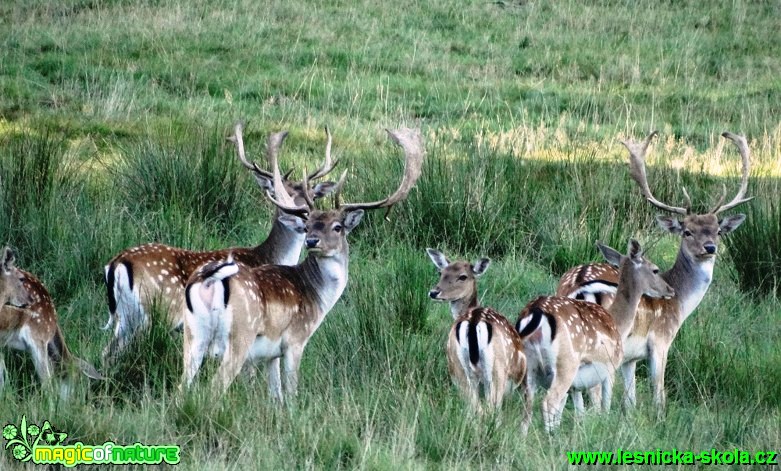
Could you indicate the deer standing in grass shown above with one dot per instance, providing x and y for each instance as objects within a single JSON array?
[
  {"x": 483, "y": 348},
  {"x": 658, "y": 320},
  {"x": 28, "y": 322},
  {"x": 239, "y": 313},
  {"x": 573, "y": 345},
  {"x": 139, "y": 276}
]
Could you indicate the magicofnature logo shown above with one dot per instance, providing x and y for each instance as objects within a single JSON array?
[{"x": 44, "y": 445}]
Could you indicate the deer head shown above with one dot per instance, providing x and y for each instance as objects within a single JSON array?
[
  {"x": 700, "y": 233},
  {"x": 12, "y": 289}
]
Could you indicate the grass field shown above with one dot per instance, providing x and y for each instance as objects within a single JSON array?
[{"x": 113, "y": 118}]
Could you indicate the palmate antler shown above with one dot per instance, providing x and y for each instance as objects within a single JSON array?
[
  {"x": 409, "y": 139},
  {"x": 637, "y": 151},
  {"x": 739, "y": 198}
]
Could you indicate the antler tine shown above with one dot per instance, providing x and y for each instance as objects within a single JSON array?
[
  {"x": 238, "y": 139},
  {"x": 637, "y": 153},
  {"x": 328, "y": 165},
  {"x": 338, "y": 188},
  {"x": 281, "y": 197},
  {"x": 309, "y": 201},
  {"x": 742, "y": 145},
  {"x": 412, "y": 143}
]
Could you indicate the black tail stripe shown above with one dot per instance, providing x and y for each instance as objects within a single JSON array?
[
  {"x": 187, "y": 297},
  {"x": 598, "y": 298},
  {"x": 226, "y": 291},
  {"x": 129, "y": 269},
  {"x": 471, "y": 336},
  {"x": 110, "y": 280},
  {"x": 536, "y": 314},
  {"x": 490, "y": 331},
  {"x": 210, "y": 272},
  {"x": 552, "y": 323}
]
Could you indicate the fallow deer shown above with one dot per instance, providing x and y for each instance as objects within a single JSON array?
[
  {"x": 155, "y": 272},
  {"x": 483, "y": 348},
  {"x": 573, "y": 345},
  {"x": 270, "y": 312},
  {"x": 658, "y": 320},
  {"x": 28, "y": 322}
]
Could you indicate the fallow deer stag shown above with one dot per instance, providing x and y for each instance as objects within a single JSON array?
[
  {"x": 139, "y": 276},
  {"x": 270, "y": 312},
  {"x": 573, "y": 345},
  {"x": 482, "y": 347},
  {"x": 28, "y": 322},
  {"x": 658, "y": 320}
]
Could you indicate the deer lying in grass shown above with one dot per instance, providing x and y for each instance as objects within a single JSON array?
[
  {"x": 573, "y": 345},
  {"x": 658, "y": 320},
  {"x": 483, "y": 348},
  {"x": 270, "y": 312},
  {"x": 28, "y": 322},
  {"x": 139, "y": 276}
]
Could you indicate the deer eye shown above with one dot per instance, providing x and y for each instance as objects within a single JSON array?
[
  {"x": 687, "y": 233},
  {"x": 656, "y": 271},
  {"x": 462, "y": 278},
  {"x": 338, "y": 228}
]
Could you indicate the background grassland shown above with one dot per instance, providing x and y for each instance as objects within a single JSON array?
[{"x": 112, "y": 123}]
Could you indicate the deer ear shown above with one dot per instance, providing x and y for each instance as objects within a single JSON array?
[
  {"x": 481, "y": 266},
  {"x": 265, "y": 183},
  {"x": 352, "y": 218},
  {"x": 293, "y": 223},
  {"x": 634, "y": 250},
  {"x": 612, "y": 256},
  {"x": 323, "y": 189},
  {"x": 730, "y": 223},
  {"x": 671, "y": 225},
  {"x": 438, "y": 258},
  {"x": 9, "y": 259}
]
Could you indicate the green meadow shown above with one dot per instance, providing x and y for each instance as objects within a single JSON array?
[{"x": 113, "y": 119}]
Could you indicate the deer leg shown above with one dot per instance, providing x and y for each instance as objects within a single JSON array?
[
  {"x": 553, "y": 404},
  {"x": 274, "y": 379},
  {"x": 527, "y": 388},
  {"x": 630, "y": 387},
  {"x": 234, "y": 357},
  {"x": 496, "y": 388},
  {"x": 195, "y": 347},
  {"x": 657, "y": 361},
  {"x": 41, "y": 361},
  {"x": 577, "y": 401},
  {"x": 595, "y": 396},
  {"x": 607, "y": 389},
  {"x": 2, "y": 371},
  {"x": 292, "y": 360}
]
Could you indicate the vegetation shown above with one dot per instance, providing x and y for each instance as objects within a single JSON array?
[{"x": 113, "y": 115}]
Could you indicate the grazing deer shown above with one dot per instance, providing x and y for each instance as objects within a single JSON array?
[
  {"x": 270, "y": 312},
  {"x": 140, "y": 275},
  {"x": 658, "y": 320},
  {"x": 573, "y": 345},
  {"x": 482, "y": 347},
  {"x": 28, "y": 322}
]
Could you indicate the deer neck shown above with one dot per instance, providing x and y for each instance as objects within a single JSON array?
[
  {"x": 282, "y": 246},
  {"x": 690, "y": 278},
  {"x": 325, "y": 279},
  {"x": 624, "y": 307},
  {"x": 463, "y": 305}
]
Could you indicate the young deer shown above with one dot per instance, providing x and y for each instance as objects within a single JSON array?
[
  {"x": 482, "y": 347},
  {"x": 270, "y": 312},
  {"x": 28, "y": 322},
  {"x": 658, "y": 320},
  {"x": 140, "y": 275},
  {"x": 573, "y": 345}
]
